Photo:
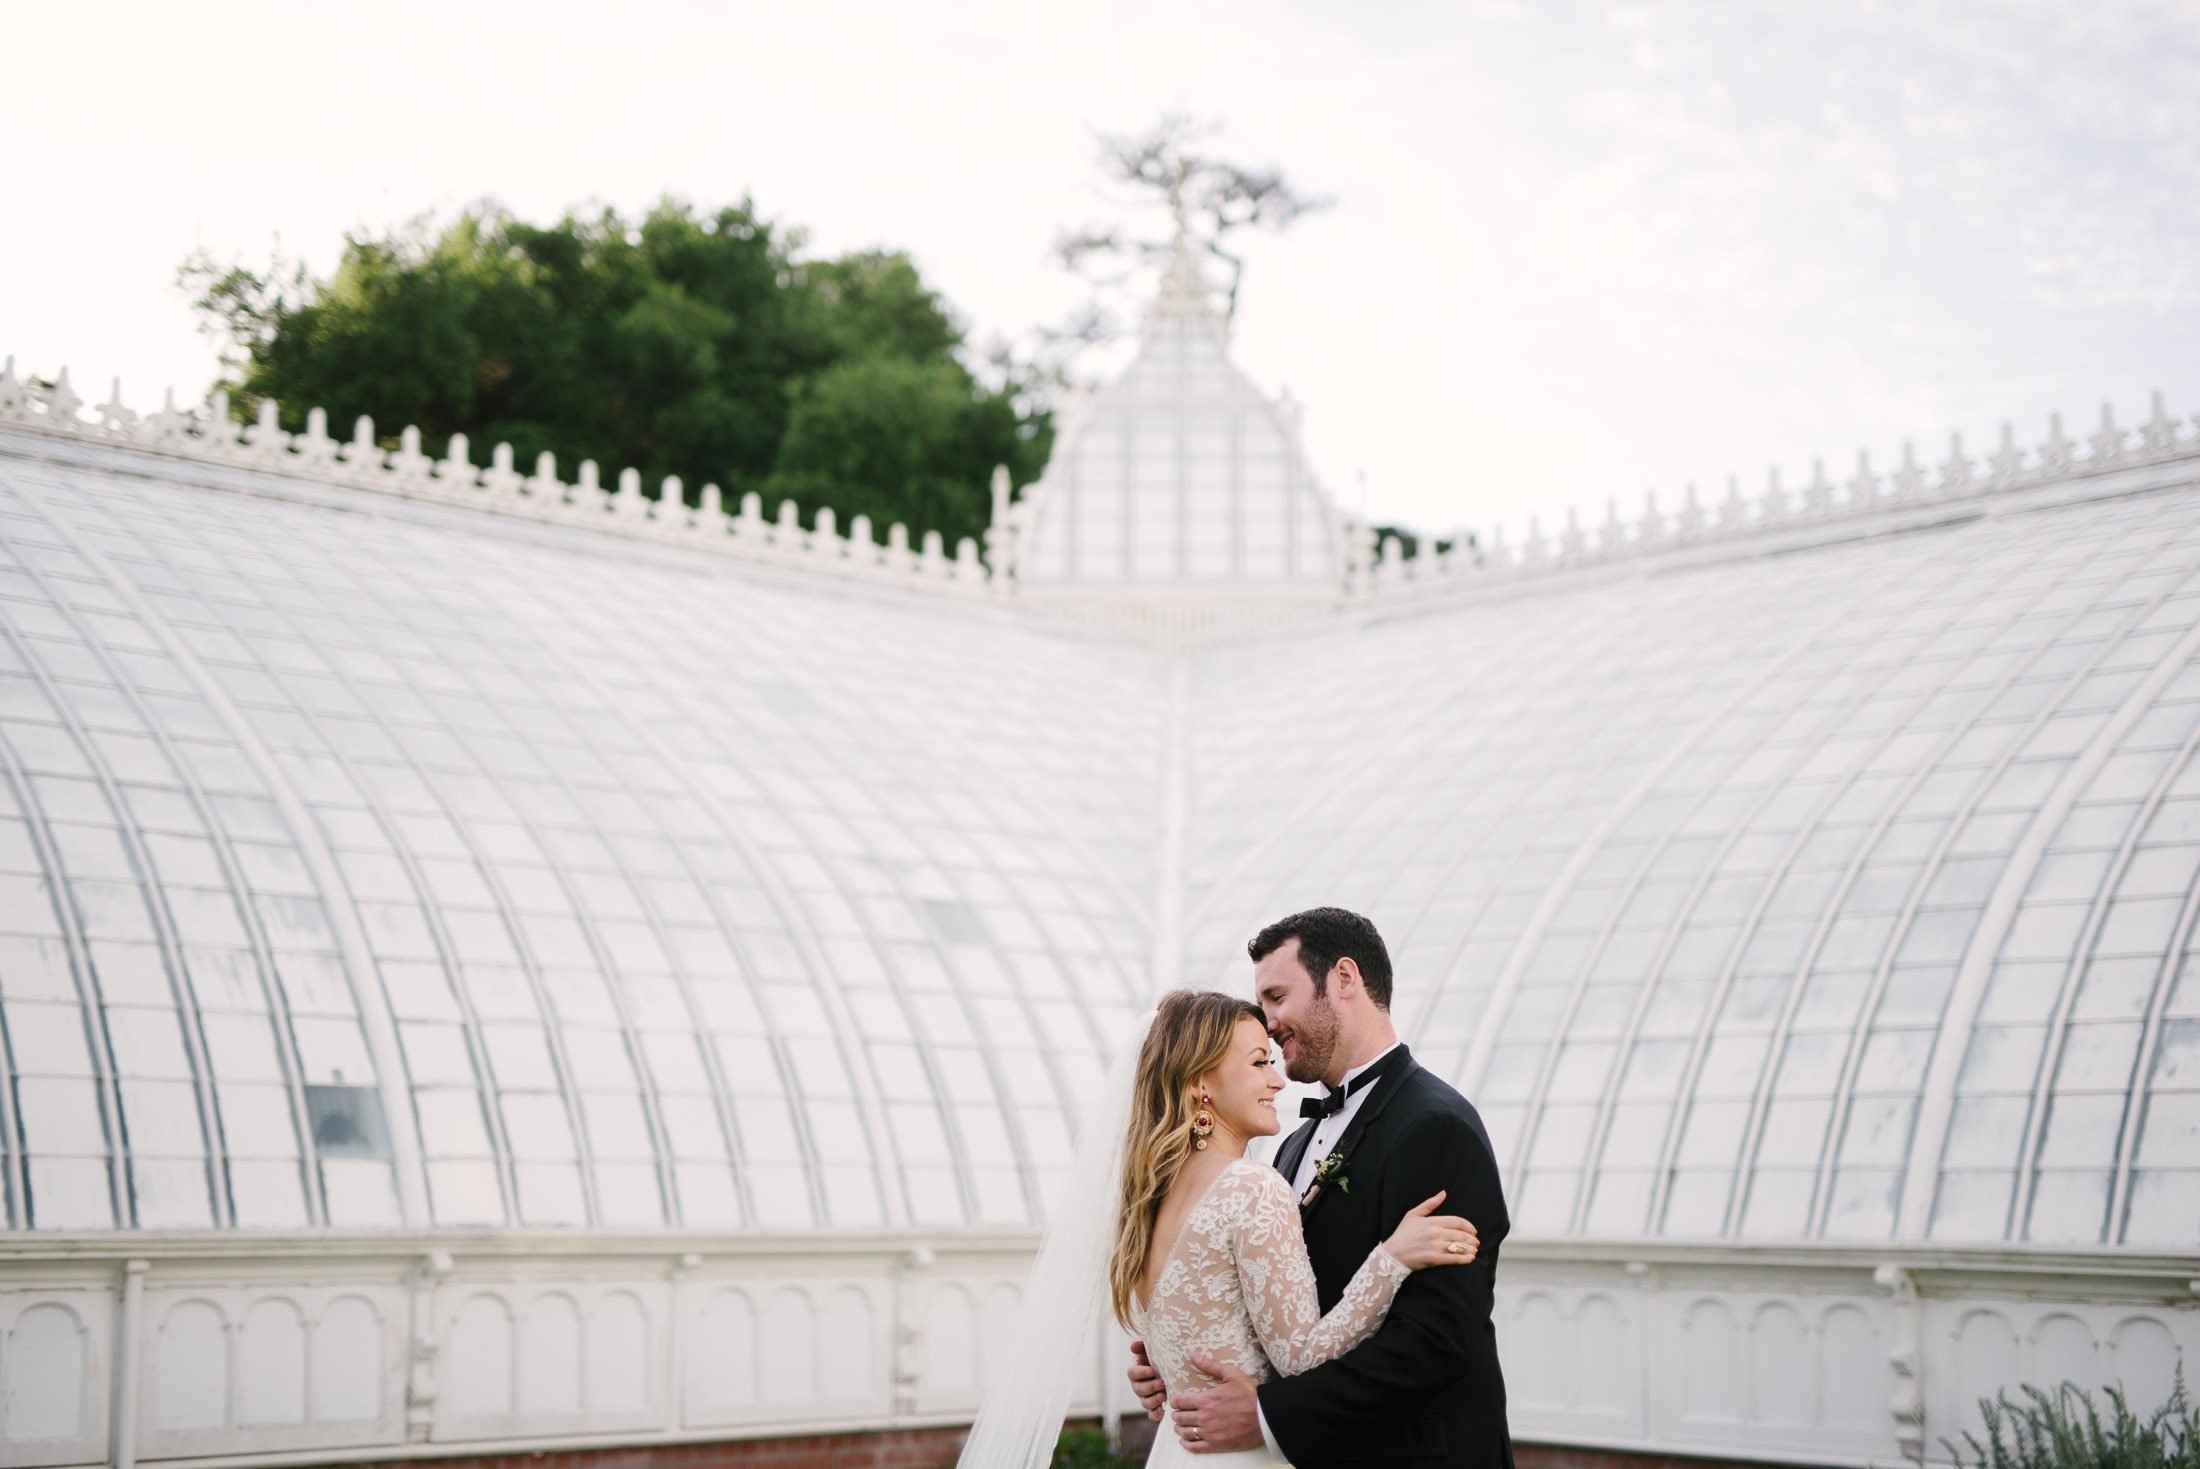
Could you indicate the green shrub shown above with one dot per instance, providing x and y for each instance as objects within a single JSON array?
[
  {"x": 1088, "y": 1448},
  {"x": 2063, "y": 1430}
]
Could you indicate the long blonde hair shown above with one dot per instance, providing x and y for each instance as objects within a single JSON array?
[{"x": 1189, "y": 1037}]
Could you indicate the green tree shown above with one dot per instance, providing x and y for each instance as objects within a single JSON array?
[
  {"x": 702, "y": 346},
  {"x": 892, "y": 437}
]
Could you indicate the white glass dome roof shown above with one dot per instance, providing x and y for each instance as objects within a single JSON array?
[
  {"x": 368, "y": 859},
  {"x": 356, "y": 871},
  {"x": 1849, "y": 894}
]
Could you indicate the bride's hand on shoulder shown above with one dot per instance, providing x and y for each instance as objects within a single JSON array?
[{"x": 1425, "y": 1237}]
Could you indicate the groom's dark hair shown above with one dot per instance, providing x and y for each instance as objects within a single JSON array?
[{"x": 1326, "y": 935}]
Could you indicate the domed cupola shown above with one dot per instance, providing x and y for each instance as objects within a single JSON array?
[{"x": 1178, "y": 493}]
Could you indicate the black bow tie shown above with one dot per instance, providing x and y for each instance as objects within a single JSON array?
[{"x": 1333, "y": 1103}]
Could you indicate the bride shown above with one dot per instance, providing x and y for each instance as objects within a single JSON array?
[{"x": 1197, "y": 1247}]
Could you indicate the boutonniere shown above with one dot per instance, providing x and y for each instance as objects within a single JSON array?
[{"x": 1331, "y": 1167}]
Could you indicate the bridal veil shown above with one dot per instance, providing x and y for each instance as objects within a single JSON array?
[{"x": 1020, "y": 1419}]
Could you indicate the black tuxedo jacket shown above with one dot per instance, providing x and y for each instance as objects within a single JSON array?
[{"x": 1425, "y": 1388}]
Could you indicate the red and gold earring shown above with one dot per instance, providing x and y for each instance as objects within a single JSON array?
[{"x": 1203, "y": 1121}]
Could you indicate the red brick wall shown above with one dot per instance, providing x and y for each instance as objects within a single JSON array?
[
  {"x": 912, "y": 1448},
  {"x": 933, "y": 1448},
  {"x": 1559, "y": 1456}
]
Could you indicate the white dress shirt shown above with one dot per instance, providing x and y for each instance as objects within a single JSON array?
[
  {"x": 1330, "y": 1128},
  {"x": 1326, "y": 1132}
]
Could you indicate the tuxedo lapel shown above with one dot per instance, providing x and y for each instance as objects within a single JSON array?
[
  {"x": 1378, "y": 1101},
  {"x": 1293, "y": 1149}
]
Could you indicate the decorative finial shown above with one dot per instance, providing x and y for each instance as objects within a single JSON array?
[
  {"x": 1909, "y": 478},
  {"x": 544, "y": 484},
  {"x": 458, "y": 462},
  {"x": 62, "y": 401},
  {"x": 500, "y": 478},
  {"x": 314, "y": 446},
  {"x": 409, "y": 464},
  {"x": 1000, "y": 531},
  {"x": 1691, "y": 517},
  {"x": 266, "y": 436},
  {"x": 1733, "y": 510},
  {"x": 219, "y": 430},
  {"x": 1184, "y": 290},
  {"x": 2055, "y": 453},
  {"x": 1818, "y": 494},
  {"x": 1612, "y": 535},
  {"x": 2159, "y": 432},
  {"x": 2107, "y": 443},
  {"x": 114, "y": 415},
  {"x": 1179, "y": 207},
  {"x": 1775, "y": 503},
  {"x": 1572, "y": 543},
  {"x": 363, "y": 453},
  {"x": 1864, "y": 488},
  {"x": 169, "y": 425},
  {"x": 1955, "y": 475},
  {"x": 2007, "y": 461}
]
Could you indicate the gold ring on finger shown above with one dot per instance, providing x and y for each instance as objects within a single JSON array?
[{"x": 1456, "y": 1248}]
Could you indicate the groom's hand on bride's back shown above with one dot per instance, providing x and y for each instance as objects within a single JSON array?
[
  {"x": 1153, "y": 1395},
  {"x": 1223, "y": 1419}
]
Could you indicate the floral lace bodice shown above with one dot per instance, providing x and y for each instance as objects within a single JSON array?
[{"x": 1237, "y": 1286}]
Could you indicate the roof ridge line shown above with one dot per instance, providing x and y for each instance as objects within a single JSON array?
[
  {"x": 1378, "y": 573},
  {"x": 208, "y": 435},
  {"x": 1385, "y": 574}
]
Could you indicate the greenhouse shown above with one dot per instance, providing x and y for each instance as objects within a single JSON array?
[{"x": 498, "y": 961}]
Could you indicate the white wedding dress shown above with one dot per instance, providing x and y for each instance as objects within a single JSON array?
[{"x": 1237, "y": 1286}]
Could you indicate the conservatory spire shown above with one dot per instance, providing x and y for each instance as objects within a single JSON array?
[
  {"x": 1180, "y": 496},
  {"x": 1185, "y": 290}
]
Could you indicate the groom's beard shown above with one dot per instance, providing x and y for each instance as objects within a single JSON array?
[{"x": 1313, "y": 1043}]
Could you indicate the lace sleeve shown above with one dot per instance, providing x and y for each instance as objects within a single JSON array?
[{"x": 1278, "y": 1281}]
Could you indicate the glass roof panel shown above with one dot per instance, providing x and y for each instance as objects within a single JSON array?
[{"x": 411, "y": 869}]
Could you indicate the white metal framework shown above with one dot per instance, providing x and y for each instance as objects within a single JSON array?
[
  {"x": 1807, "y": 892},
  {"x": 1179, "y": 481}
]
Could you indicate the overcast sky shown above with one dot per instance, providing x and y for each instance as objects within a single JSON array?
[{"x": 1576, "y": 250}]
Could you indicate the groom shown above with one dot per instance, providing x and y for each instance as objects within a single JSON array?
[{"x": 1425, "y": 1388}]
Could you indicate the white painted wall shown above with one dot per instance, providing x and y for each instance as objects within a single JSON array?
[{"x": 355, "y": 1347}]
